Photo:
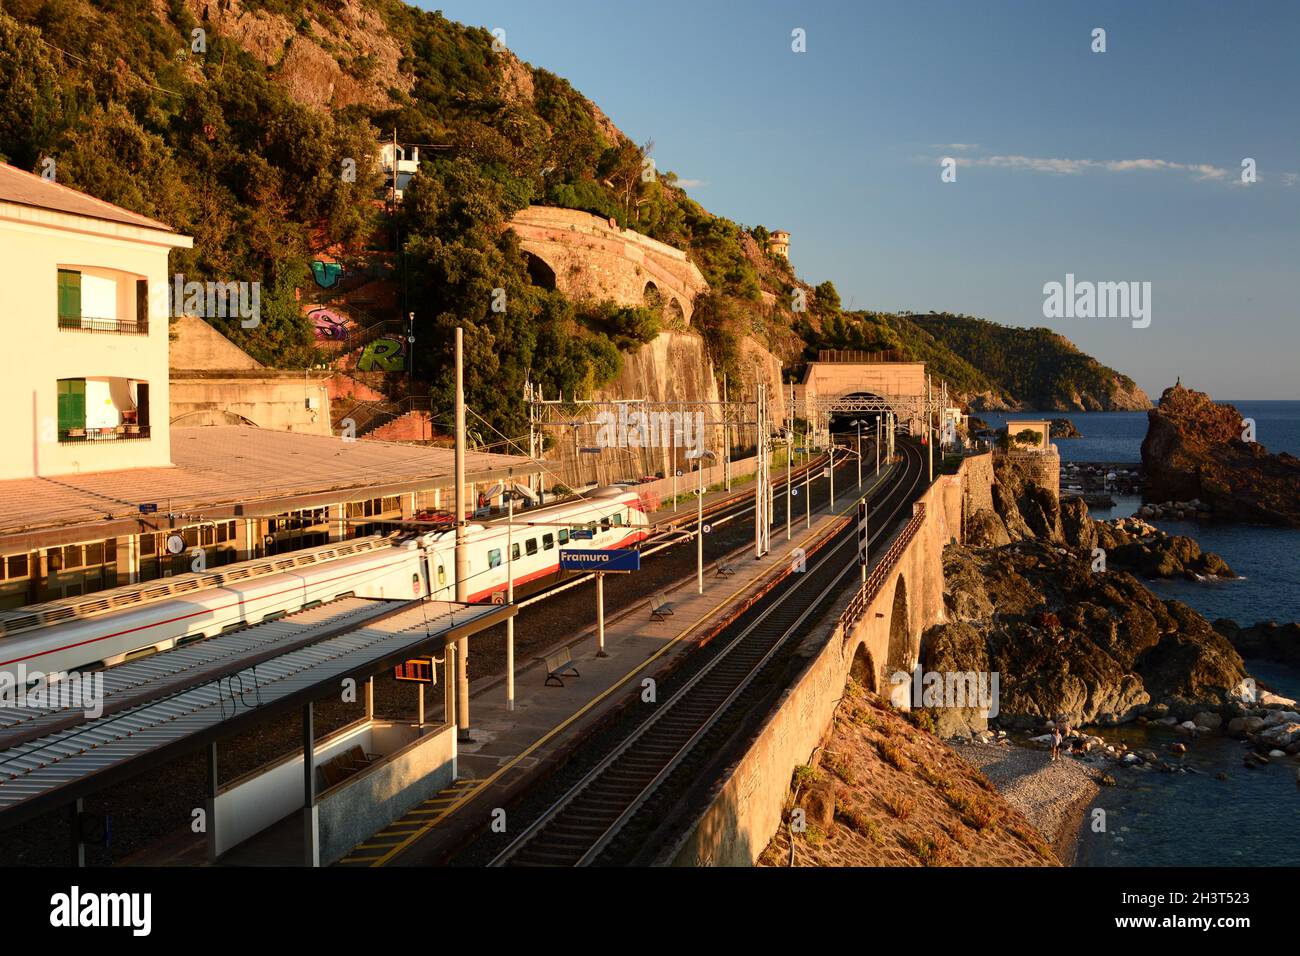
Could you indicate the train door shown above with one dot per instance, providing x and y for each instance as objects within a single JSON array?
[{"x": 439, "y": 579}]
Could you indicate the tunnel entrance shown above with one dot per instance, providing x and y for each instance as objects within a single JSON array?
[{"x": 842, "y": 422}]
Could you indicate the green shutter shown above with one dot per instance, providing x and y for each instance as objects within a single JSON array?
[
  {"x": 69, "y": 294},
  {"x": 72, "y": 403}
]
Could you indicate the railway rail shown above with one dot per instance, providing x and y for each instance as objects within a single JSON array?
[{"x": 590, "y": 822}]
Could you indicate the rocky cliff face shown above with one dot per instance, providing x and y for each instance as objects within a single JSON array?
[
  {"x": 674, "y": 367},
  {"x": 1094, "y": 646},
  {"x": 1194, "y": 450}
]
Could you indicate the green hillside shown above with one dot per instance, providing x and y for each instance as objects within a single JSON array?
[{"x": 243, "y": 144}]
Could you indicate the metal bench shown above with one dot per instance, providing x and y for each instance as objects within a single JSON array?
[
  {"x": 723, "y": 570},
  {"x": 660, "y": 607},
  {"x": 558, "y": 666}
]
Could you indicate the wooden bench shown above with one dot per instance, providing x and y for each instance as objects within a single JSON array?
[
  {"x": 341, "y": 766},
  {"x": 558, "y": 666},
  {"x": 660, "y": 607},
  {"x": 723, "y": 570}
]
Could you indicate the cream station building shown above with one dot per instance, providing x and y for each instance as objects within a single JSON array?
[{"x": 84, "y": 374}]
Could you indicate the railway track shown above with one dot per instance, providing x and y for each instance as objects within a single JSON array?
[{"x": 603, "y": 816}]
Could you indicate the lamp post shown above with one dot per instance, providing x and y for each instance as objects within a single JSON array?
[
  {"x": 789, "y": 456},
  {"x": 699, "y": 457},
  {"x": 858, "y": 424},
  {"x": 877, "y": 446},
  {"x": 510, "y": 588},
  {"x": 831, "y": 469}
]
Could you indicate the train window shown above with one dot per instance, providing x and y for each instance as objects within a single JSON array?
[
  {"x": 442, "y": 576},
  {"x": 564, "y": 536},
  {"x": 604, "y": 523},
  {"x": 531, "y": 546},
  {"x": 548, "y": 542},
  {"x": 618, "y": 520},
  {"x": 494, "y": 558},
  {"x": 18, "y": 566},
  {"x": 514, "y": 552}
]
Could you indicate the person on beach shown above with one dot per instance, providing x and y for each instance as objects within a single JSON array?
[{"x": 1056, "y": 742}]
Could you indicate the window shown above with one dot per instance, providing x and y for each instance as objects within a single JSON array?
[
  {"x": 564, "y": 536},
  {"x": 442, "y": 576},
  {"x": 548, "y": 542},
  {"x": 69, "y": 295},
  {"x": 494, "y": 558},
  {"x": 604, "y": 523},
  {"x": 531, "y": 546},
  {"x": 514, "y": 552},
  {"x": 618, "y": 520},
  {"x": 72, "y": 405}
]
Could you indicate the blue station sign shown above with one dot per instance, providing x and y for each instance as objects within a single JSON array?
[{"x": 606, "y": 559}]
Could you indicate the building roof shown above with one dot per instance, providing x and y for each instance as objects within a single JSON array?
[
  {"x": 155, "y": 712},
  {"x": 227, "y": 470},
  {"x": 27, "y": 189}
]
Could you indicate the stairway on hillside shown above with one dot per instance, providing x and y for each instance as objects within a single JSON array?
[{"x": 409, "y": 426}]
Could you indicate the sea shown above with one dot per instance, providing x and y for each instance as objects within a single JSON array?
[{"x": 1252, "y": 818}]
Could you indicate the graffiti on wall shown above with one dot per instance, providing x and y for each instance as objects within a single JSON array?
[
  {"x": 386, "y": 354},
  {"x": 326, "y": 274},
  {"x": 329, "y": 325}
]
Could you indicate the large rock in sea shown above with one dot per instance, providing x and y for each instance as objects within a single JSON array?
[
  {"x": 1194, "y": 450},
  {"x": 1095, "y": 647},
  {"x": 1266, "y": 639}
]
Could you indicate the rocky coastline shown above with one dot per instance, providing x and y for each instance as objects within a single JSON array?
[
  {"x": 1203, "y": 460},
  {"x": 1047, "y": 597},
  {"x": 1052, "y": 601}
]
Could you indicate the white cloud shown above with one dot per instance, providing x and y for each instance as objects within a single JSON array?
[
  {"x": 691, "y": 183},
  {"x": 1075, "y": 167},
  {"x": 958, "y": 147}
]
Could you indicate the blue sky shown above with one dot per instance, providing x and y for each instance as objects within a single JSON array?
[{"x": 1115, "y": 166}]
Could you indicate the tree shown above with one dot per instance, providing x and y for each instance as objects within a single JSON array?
[
  {"x": 828, "y": 300},
  {"x": 31, "y": 100}
]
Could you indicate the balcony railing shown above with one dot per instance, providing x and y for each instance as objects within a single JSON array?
[
  {"x": 73, "y": 436},
  {"x": 87, "y": 323}
]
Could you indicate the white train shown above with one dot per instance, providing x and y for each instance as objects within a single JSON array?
[{"x": 125, "y": 623}]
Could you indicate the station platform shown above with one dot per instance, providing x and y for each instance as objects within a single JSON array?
[{"x": 509, "y": 747}]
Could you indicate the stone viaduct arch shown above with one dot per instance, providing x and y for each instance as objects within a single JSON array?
[{"x": 587, "y": 257}]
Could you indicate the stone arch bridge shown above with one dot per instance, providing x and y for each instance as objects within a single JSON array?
[
  {"x": 872, "y": 635},
  {"x": 587, "y": 257}
]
